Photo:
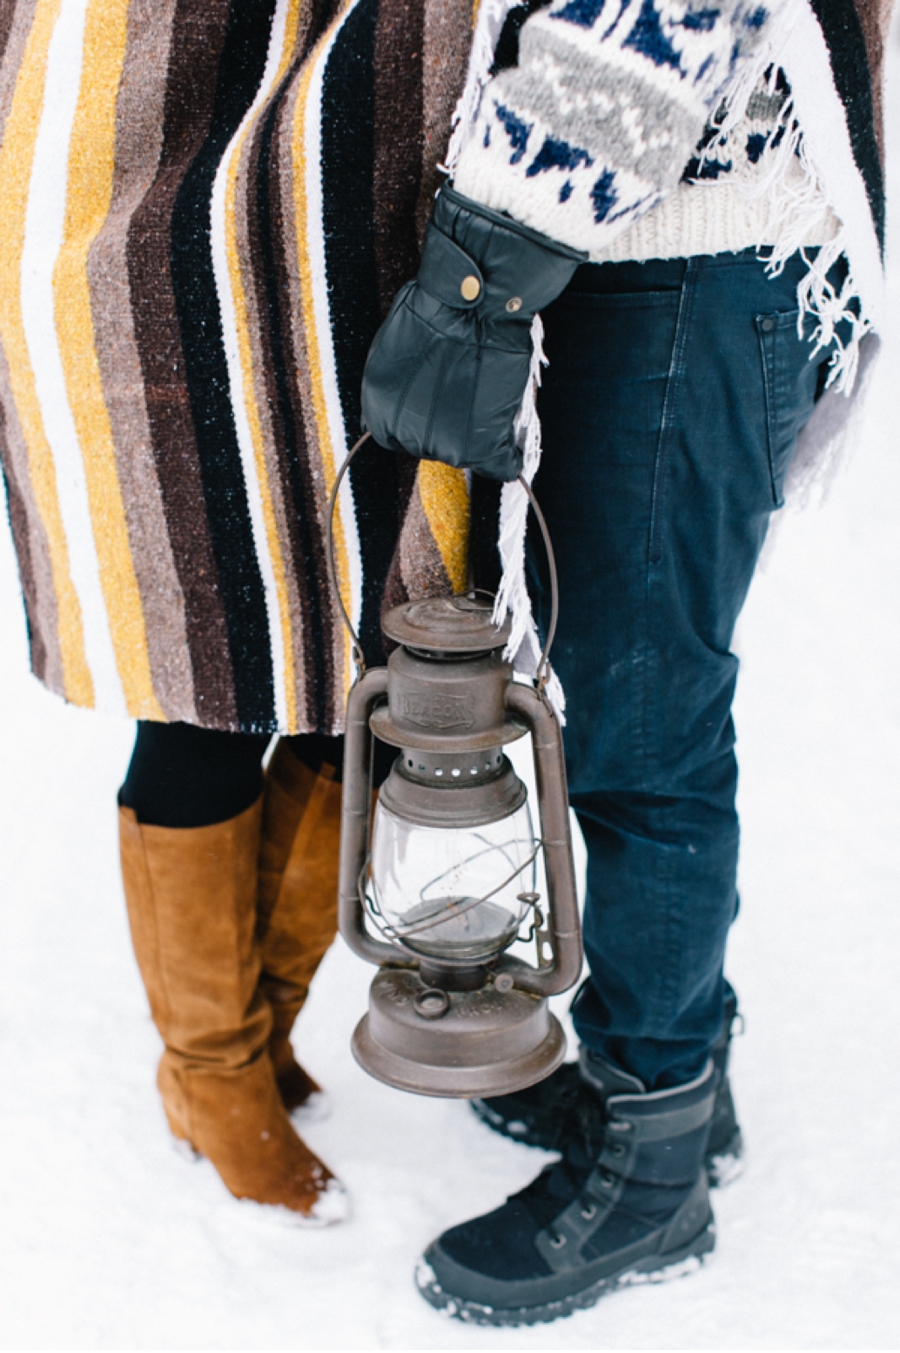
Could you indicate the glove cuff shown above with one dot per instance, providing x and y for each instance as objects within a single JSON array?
[
  {"x": 476, "y": 259},
  {"x": 448, "y": 195}
]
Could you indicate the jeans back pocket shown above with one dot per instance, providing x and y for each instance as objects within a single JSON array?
[{"x": 789, "y": 384}]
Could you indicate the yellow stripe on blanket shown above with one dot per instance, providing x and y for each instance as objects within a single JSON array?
[
  {"x": 91, "y": 168},
  {"x": 16, "y": 156},
  {"x": 445, "y": 501}
]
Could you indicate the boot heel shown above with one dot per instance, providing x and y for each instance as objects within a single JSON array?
[{"x": 174, "y": 1103}]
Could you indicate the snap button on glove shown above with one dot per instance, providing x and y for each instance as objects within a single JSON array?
[{"x": 447, "y": 370}]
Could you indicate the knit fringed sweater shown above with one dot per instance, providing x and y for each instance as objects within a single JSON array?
[{"x": 207, "y": 210}]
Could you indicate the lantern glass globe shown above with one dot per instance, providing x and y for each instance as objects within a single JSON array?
[{"x": 452, "y": 892}]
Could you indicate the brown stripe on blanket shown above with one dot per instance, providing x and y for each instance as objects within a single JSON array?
[
  {"x": 446, "y": 37},
  {"x": 187, "y": 110},
  {"x": 398, "y": 142},
  {"x": 17, "y": 20},
  {"x": 18, "y": 521},
  {"x": 7, "y": 12},
  {"x": 40, "y": 591},
  {"x": 446, "y": 32},
  {"x": 395, "y": 591},
  {"x": 421, "y": 565},
  {"x": 139, "y": 139},
  {"x": 875, "y": 21},
  {"x": 35, "y": 572}
]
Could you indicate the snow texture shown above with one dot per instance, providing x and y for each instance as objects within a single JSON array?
[{"x": 111, "y": 1238}]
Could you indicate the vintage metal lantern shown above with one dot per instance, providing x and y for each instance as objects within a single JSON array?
[{"x": 441, "y": 887}]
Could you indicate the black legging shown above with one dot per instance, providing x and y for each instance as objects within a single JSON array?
[{"x": 184, "y": 776}]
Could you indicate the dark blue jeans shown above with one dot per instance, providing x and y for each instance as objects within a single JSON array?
[{"x": 670, "y": 409}]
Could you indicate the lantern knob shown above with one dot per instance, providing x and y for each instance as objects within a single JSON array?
[{"x": 452, "y": 625}]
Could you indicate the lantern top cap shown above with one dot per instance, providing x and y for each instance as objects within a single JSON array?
[{"x": 461, "y": 624}]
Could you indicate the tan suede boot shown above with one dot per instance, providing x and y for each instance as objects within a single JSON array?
[
  {"x": 191, "y": 895},
  {"x": 297, "y": 904}
]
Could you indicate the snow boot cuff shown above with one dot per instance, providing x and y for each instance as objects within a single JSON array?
[{"x": 604, "y": 1078}]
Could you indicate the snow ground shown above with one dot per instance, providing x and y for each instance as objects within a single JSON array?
[{"x": 110, "y": 1239}]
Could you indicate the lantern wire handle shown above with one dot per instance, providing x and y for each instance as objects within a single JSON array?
[
  {"x": 358, "y": 656},
  {"x": 543, "y": 668}
]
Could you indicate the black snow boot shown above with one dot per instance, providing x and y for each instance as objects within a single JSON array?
[
  {"x": 539, "y": 1116},
  {"x": 627, "y": 1203}
]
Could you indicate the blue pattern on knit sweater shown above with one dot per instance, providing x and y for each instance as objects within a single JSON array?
[
  {"x": 583, "y": 12},
  {"x": 557, "y": 155},
  {"x": 756, "y": 144},
  {"x": 702, "y": 22},
  {"x": 703, "y": 69},
  {"x": 712, "y": 169},
  {"x": 648, "y": 38},
  {"x": 517, "y": 131},
  {"x": 604, "y": 196},
  {"x": 623, "y": 5}
]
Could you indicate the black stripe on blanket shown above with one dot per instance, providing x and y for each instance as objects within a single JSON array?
[{"x": 240, "y": 72}]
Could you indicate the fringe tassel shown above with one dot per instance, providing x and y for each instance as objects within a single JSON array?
[
  {"x": 524, "y": 647},
  {"x": 491, "y": 17},
  {"x": 796, "y": 203},
  {"x": 739, "y": 92},
  {"x": 831, "y": 309}
]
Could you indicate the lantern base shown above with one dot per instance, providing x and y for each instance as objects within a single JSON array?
[{"x": 455, "y": 1044}]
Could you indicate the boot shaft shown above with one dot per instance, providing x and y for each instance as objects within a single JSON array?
[{"x": 191, "y": 898}]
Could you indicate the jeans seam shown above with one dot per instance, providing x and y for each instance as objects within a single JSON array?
[
  {"x": 674, "y": 382},
  {"x": 669, "y": 921}
]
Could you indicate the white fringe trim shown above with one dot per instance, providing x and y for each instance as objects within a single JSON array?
[
  {"x": 524, "y": 646},
  {"x": 795, "y": 203},
  {"x": 739, "y": 92},
  {"x": 491, "y": 17},
  {"x": 795, "y": 200},
  {"x": 828, "y": 441}
]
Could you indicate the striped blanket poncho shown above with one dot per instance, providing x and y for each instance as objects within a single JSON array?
[{"x": 207, "y": 210}]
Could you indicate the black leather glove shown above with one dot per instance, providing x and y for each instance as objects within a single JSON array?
[{"x": 447, "y": 370}]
